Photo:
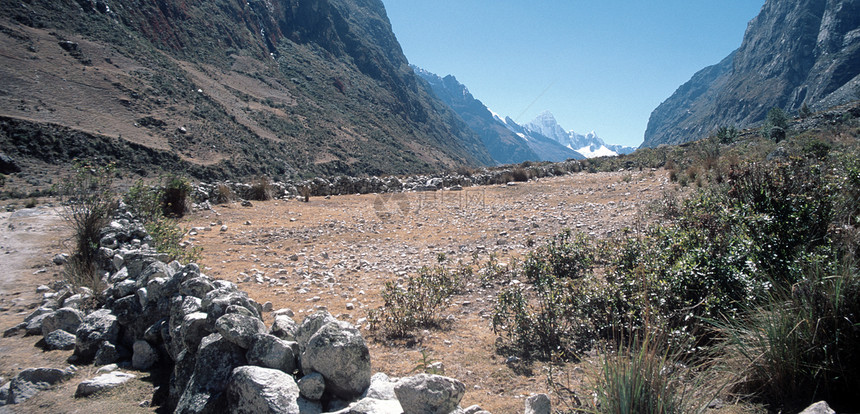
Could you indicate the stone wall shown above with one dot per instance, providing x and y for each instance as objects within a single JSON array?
[{"x": 212, "y": 339}]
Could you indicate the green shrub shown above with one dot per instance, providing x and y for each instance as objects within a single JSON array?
[
  {"x": 145, "y": 202},
  {"x": 775, "y": 124},
  {"x": 519, "y": 174},
  {"x": 547, "y": 319},
  {"x": 727, "y": 135},
  {"x": 643, "y": 377},
  {"x": 419, "y": 303},
  {"x": 175, "y": 196},
  {"x": 88, "y": 202},
  {"x": 150, "y": 205},
  {"x": 786, "y": 209}
]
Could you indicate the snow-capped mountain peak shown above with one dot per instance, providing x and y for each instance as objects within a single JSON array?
[{"x": 589, "y": 145}]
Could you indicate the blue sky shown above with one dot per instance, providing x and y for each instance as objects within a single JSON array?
[{"x": 596, "y": 65}]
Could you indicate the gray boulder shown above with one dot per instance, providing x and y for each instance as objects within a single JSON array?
[
  {"x": 474, "y": 409},
  {"x": 538, "y": 404},
  {"x": 339, "y": 353},
  {"x": 197, "y": 287},
  {"x": 195, "y": 326},
  {"x": 253, "y": 390},
  {"x": 32, "y": 380},
  {"x": 382, "y": 387},
  {"x": 96, "y": 327},
  {"x": 372, "y": 406},
  {"x": 284, "y": 327},
  {"x": 307, "y": 406},
  {"x": 34, "y": 325},
  {"x": 144, "y": 356},
  {"x": 311, "y": 325},
  {"x": 109, "y": 353},
  {"x": 217, "y": 301},
  {"x": 155, "y": 270},
  {"x": 429, "y": 394},
  {"x": 101, "y": 383},
  {"x": 76, "y": 301},
  {"x": 820, "y": 407},
  {"x": 127, "y": 310},
  {"x": 269, "y": 351},
  {"x": 60, "y": 339},
  {"x": 213, "y": 365},
  {"x": 67, "y": 319},
  {"x": 124, "y": 288},
  {"x": 239, "y": 329},
  {"x": 312, "y": 386}
]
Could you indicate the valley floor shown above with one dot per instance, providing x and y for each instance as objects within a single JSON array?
[{"x": 337, "y": 253}]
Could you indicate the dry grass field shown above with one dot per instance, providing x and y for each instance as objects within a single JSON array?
[{"x": 336, "y": 253}]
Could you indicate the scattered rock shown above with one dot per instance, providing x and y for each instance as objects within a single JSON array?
[
  {"x": 538, "y": 404},
  {"x": 820, "y": 407},
  {"x": 60, "y": 259},
  {"x": 429, "y": 394},
  {"x": 60, "y": 340},
  {"x": 102, "y": 383},
  {"x": 32, "y": 380}
]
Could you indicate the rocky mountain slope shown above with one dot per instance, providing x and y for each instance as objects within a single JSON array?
[
  {"x": 504, "y": 145},
  {"x": 220, "y": 89},
  {"x": 793, "y": 53},
  {"x": 508, "y": 142}
]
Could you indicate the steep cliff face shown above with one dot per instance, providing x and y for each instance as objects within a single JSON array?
[
  {"x": 794, "y": 52},
  {"x": 234, "y": 88}
]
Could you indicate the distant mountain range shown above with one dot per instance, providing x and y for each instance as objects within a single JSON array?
[
  {"x": 508, "y": 142},
  {"x": 589, "y": 145},
  {"x": 794, "y": 53}
]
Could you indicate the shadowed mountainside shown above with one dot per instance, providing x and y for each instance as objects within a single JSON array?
[{"x": 223, "y": 88}]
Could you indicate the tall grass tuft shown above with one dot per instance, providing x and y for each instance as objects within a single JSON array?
[
  {"x": 645, "y": 376},
  {"x": 800, "y": 347},
  {"x": 261, "y": 189}
]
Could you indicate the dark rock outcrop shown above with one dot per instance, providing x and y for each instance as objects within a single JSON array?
[{"x": 793, "y": 53}]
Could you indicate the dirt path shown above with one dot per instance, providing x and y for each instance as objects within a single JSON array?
[{"x": 30, "y": 239}]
